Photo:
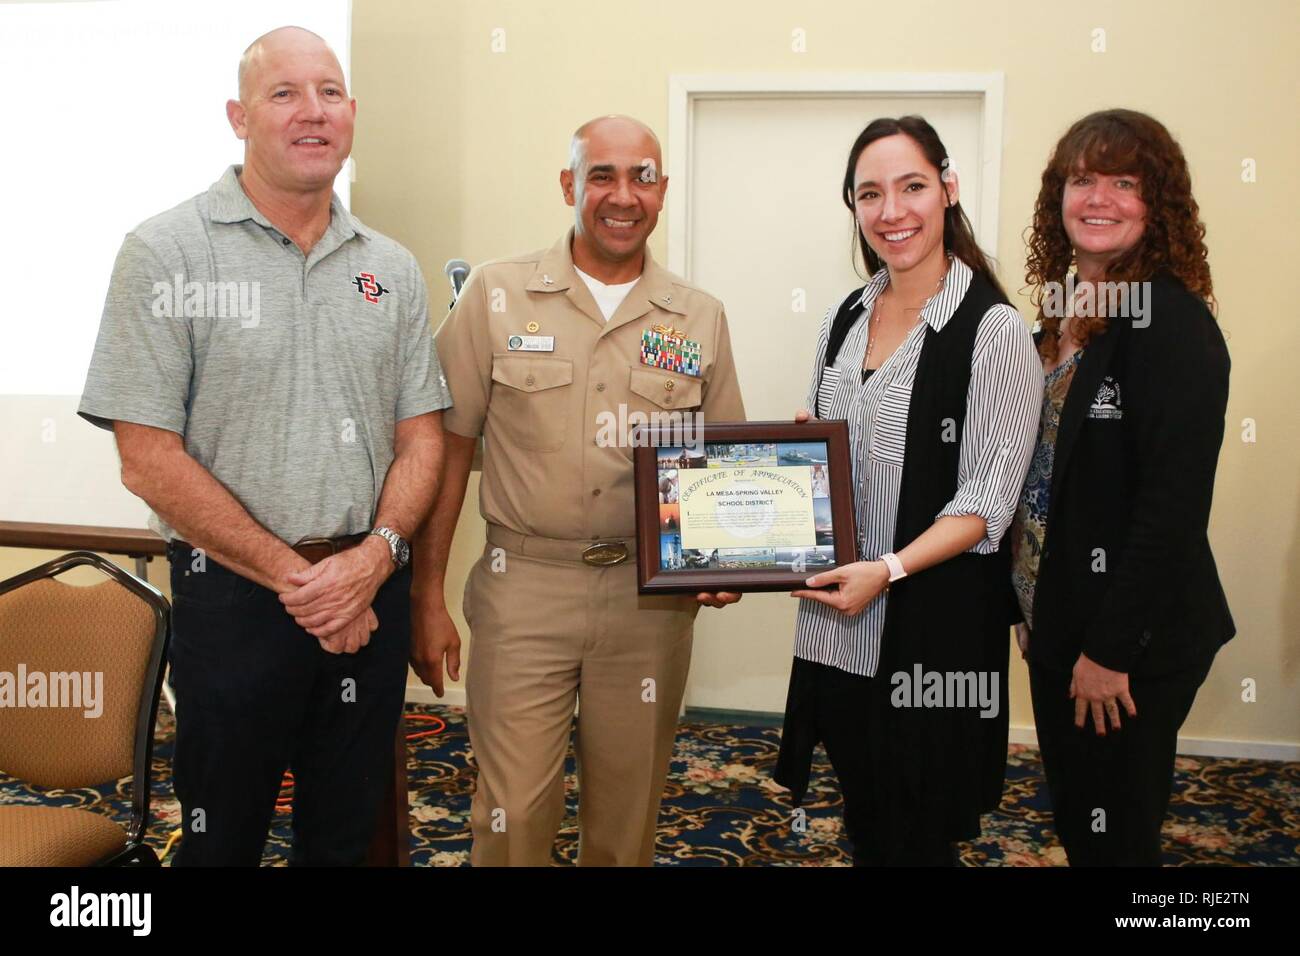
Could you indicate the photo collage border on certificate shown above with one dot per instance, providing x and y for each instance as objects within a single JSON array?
[{"x": 813, "y": 454}]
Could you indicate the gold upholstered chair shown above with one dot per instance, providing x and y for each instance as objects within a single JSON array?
[{"x": 59, "y": 637}]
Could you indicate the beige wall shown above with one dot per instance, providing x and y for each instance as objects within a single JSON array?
[{"x": 458, "y": 150}]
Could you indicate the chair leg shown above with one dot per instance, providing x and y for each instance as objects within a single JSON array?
[{"x": 138, "y": 854}]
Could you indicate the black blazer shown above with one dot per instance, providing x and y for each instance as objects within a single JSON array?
[{"x": 1126, "y": 575}]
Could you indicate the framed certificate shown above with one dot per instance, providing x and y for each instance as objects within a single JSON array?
[{"x": 747, "y": 506}]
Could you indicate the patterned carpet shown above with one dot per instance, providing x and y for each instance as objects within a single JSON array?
[{"x": 721, "y": 808}]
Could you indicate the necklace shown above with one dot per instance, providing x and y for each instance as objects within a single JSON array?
[{"x": 875, "y": 318}]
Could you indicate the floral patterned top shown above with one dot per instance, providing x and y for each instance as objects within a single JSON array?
[{"x": 1029, "y": 527}]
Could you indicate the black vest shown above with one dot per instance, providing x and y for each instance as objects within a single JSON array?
[
  {"x": 938, "y": 405},
  {"x": 943, "y": 766}
]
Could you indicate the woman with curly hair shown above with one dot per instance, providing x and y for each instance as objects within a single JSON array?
[{"x": 1112, "y": 570}]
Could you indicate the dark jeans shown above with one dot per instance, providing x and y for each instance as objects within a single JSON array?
[
  {"x": 256, "y": 694},
  {"x": 1127, "y": 774}
]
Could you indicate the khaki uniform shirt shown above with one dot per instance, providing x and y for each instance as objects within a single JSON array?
[{"x": 547, "y": 470}]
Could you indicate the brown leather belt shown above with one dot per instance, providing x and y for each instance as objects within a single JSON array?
[
  {"x": 314, "y": 550},
  {"x": 601, "y": 553}
]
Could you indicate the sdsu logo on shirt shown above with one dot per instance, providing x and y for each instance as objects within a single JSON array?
[{"x": 369, "y": 286}]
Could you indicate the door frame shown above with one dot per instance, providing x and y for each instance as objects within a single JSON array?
[{"x": 685, "y": 89}]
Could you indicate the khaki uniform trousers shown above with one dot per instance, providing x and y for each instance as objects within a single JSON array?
[{"x": 549, "y": 629}]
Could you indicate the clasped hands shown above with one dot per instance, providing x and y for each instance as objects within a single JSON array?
[{"x": 331, "y": 600}]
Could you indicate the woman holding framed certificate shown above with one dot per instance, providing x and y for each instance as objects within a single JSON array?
[{"x": 900, "y": 658}]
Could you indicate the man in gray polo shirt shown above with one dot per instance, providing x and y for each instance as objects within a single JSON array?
[{"x": 266, "y": 364}]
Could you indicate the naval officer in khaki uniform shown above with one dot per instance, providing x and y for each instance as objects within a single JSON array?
[{"x": 539, "y": 351}]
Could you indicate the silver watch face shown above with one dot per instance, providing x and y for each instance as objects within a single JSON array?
[{"x": 398, "y": 549}]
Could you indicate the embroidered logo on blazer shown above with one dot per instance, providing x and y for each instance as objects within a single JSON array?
[{"x": 1107, "y": 403}]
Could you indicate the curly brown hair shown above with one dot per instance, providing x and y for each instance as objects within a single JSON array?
[{"x": 1115, "y": 142}]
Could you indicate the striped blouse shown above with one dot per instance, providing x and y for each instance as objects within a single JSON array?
[{"x": 1002, "y": 409}]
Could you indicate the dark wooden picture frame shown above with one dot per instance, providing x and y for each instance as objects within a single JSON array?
[{"x": 654, "y": 579}]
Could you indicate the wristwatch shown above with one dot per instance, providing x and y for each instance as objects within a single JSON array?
[
  {"x": 896, "y": 572},
  {"x": 399, "y": 550}
]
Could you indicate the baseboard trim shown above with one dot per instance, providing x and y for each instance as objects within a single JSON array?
[
  {"x": 423, "y": 694},
  {"x": 1188, "y": 746},
  {"x": 721, "y": 715},
  {"x": 1201, "y": 747}
]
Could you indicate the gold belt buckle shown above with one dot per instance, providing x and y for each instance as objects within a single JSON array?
[{"x": 604, "y": 554}]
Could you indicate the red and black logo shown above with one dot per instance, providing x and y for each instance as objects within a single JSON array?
[{"x": 368, "y": 286}]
